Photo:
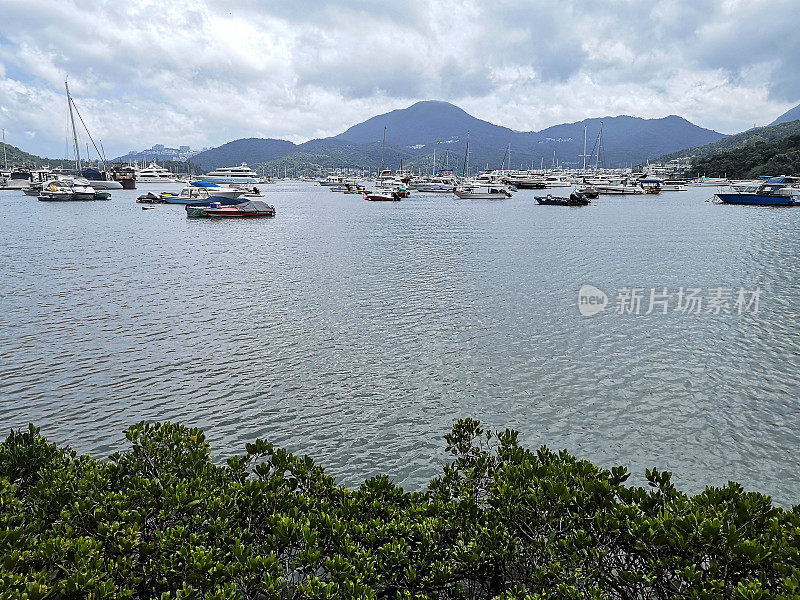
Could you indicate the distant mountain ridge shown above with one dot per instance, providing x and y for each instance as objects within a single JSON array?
[
  {"x": 415, "y": 132},
  {"x": 770, "y": 133},
  {"x": 793, "y": 114}
]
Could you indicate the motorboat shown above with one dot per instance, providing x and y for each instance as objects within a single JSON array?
[
  {"x": 436, "y": 185},
  {"x": 18, "y": 179},
  {"x": 552, "y": 181},
  {"x": 383, "y": 196},
  {"x": 155, "y": 174},
  {"x": 674, "y": 185},
  {"x": 775, "y": 191},
  {"x": 70, "y": 189},
  {"x": 651, "y": 185},
  {"x": 482, "y": 193},
  {"x": 241, "y": 174},
  {"x": 125, "y": 175},
  {"x": 618, "y": 187},
  {"x": 588, "y": 191},
  {"x": 574, "y": 199},
  {"x": 708, "y": 181},
  {"x": 201, "y": 190},
  {"x": 248, "y": 209},
  {"x": 101, "y": 180}
]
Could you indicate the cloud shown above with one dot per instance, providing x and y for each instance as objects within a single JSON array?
[{"x": 202, "y": 73}]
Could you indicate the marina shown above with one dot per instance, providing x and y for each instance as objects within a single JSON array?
[{"x": 488, "y": 287}]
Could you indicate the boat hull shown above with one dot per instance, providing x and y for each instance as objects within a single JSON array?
[{"x": 758, "y": 199}]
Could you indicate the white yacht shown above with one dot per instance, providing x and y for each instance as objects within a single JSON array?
[
  {"x": 155, "y": 174},
  {"x": 240, "y": 174}
]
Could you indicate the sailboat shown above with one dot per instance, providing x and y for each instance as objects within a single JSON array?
[
  {"x": 101, "y": 179},
  {"x": 69, "y": 187}
]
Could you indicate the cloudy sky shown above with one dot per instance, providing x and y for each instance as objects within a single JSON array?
[{"x": 205, "y": 72}]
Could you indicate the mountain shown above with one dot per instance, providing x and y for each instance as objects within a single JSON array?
[
  {"x": 249, "y": 150},
  {"x": 771, "y": 133},
  {"x": 429, "y": 124},
  {"x": 16, "y": 157},
  {"x": 793, "y": 114},
  {"x": 780, "y": 157},
  {"x": 414, "y": 133}
]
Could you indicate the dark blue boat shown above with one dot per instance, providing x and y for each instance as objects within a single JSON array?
[{"x": 775, "y": 191}]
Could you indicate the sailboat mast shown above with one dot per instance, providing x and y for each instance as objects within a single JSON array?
[
  {"x": 584, "y": 150},
  {"x": 434, "y": 161},
  {"x": 599, "y": 146},
  {"x": 5, "y": 158},
  {"x": 383, "y": 147},
  {"x": 75, "y": 145},
  {"x": 466, "y": 159}
]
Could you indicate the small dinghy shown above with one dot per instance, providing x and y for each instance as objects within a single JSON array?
[
  {"x": 574, "y": 199},
  {"x": 253, "y": 208}
]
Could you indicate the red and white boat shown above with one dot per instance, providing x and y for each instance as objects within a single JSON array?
[{"x": 383, "y": 196}]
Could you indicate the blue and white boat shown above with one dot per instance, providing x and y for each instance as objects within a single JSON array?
[
  {"x": 776, "y": 191},
  {"x": 200, "y": 190}
]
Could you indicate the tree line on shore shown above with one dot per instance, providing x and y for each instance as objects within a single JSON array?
[{"x": 162, "y": 520}]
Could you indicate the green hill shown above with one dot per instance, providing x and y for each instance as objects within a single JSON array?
[
  {"x": 780, "y": 157},
  {"x": 756, "y": 135}
]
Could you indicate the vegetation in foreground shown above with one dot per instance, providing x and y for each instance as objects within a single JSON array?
[
  {"x": 780, "y": 157},
  {"x": 160, "y": 520}
]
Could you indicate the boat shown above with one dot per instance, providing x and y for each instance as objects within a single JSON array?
[
  {"x": 487, "y": 193},
  {"x": 70, "y": 189},
  {"x": 588, "y": 191},
  {"x": 776, "y": 191},
  {"x": 525, "y": 181},
  {"x": 674, "y": 185},
  {"x": 155, "y": 174},
  {"x": 557, "y": 181},
  {"x": 708, "y": 181},
  {"x": 436, "y": 185},
  {"x": 574, "y": 199},
  {"x": 248, "y": 209},
  {"x": 200, "y": 190},
  {"x": 18, "y": 179},
  {"x": 125, "y": 175},
  {"x": 618, "y": 187},
  {"x": 383, "y": 196},
  {"x": 241, "y": 174},
  {"x": 651, "y": 185},
  {"x": 150, "y": 198},
  {"x": 101, "y": 180},
  {"x": 332, "y": 180}
]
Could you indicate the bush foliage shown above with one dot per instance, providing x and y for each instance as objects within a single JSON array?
[
  {"x": 780, "y": 157},
  {"x": 161, "y": 520}
]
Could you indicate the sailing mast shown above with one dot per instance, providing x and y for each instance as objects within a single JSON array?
[
  {"x": 466, "y": 158},
  {"x": 75, "y": 145},
  {"x": 383, "y": 147},
  {"x": 584, "y": 151},
  {"x": 5, "y": 158}
]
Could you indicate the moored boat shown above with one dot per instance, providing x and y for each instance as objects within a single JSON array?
[
  {"x": 201, "y": 190},
  {"x": 382, "y": 196},
  {"x": 776, "y": 191},
  {"x": 574, "y": 199},
  {"x": 487, "y": 193},
  {"x": 248, "y": 209}
]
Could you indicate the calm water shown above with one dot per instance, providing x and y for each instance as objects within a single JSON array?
[{"x": 358, "y": 332}]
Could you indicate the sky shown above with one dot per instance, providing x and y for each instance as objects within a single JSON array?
[{"x": 191, "y": 72}]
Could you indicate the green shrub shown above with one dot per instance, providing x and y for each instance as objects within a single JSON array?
[{"x": 161, "y": 520}]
